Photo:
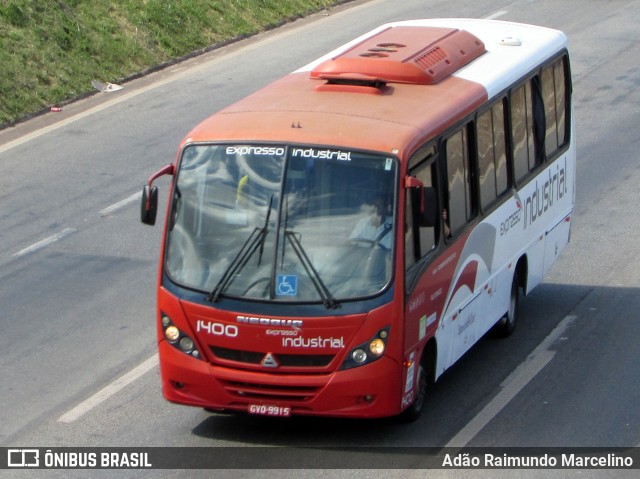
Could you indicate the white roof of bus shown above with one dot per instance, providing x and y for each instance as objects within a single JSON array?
[{"x": 513, "y": 49}]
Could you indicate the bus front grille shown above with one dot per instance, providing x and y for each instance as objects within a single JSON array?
[{"x": 282, "y": 360}]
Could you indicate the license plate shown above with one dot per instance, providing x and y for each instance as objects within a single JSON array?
[{"x": 269, "y": 410}]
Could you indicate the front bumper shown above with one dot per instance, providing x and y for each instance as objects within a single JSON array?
[{"x": 373, "y": 390}]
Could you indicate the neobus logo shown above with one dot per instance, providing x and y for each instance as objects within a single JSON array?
[{"x": 293, "y": 323}]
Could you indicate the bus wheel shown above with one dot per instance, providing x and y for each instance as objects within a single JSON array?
[
  {"x": 507, "y": 325},
  {"x": 413, "y": 412}
]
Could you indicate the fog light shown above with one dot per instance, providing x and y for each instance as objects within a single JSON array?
[
  {"x": 376, "y": 347},
  {"x": 186, "y": 344},
  {"x": 359, "y": 356},
  {"x": 172, "y": 333}
]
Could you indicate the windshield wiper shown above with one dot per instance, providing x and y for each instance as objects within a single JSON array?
[
  {"x": 327, "y": 298},
  {"x": 248, "y": 248}
]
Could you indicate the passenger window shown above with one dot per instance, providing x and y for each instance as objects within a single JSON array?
[
  {"x": 561, "y": 102},
  {"x": 549, "y": 99},
  {"x": 460, "y": 207},
  {"x": 554, "y": 95},
  {"x": 486, "y": 158},
  {"x": 522, "y": 128},
  {"x": 492, "y": 155}
]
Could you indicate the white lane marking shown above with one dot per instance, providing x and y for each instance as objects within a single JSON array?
[
  {"x": 512, "y": 385},
  {"x": 120, "y": 204},
  {"x": 498, "y": 14},
  {"x": 68, "y": 231},
  {"x": 45, "y": 242},
  {"x": 109, "y": 390}
]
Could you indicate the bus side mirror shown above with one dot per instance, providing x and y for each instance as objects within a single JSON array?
[
  {"x": 425, "y": 202},
  {"x": 429, "y": 214},
  {"x": 149, "y": 205}
]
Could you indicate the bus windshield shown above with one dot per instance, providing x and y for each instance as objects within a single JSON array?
[{"x": 282, "y": 223}]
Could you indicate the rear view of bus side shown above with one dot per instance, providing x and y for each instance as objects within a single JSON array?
[{"x": 337, "y": 240}]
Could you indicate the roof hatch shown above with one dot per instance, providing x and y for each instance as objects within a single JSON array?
[{"x": 420, "y": 55}]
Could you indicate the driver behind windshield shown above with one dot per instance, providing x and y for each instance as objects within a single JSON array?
[{"x": 375, "y": 226}]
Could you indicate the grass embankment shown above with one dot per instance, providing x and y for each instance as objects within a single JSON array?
[{"x": 51, "y": 50}]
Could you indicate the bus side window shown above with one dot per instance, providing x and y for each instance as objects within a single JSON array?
[
  {"x": 461, "y": 207},
  {"x": 562, "y": 99},
  {"x": 492, "y": 154},
  {"x": 521, "y": 109},
  {"x": 548, "y": 98},
  {"x": 554, "y": 97}
]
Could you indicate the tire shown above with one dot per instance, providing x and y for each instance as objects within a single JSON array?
[
  {"x": 413, "y": 412},
  {"x": 507, "y": 324}
]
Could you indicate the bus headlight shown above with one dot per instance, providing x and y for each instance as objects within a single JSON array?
[
  {"x": 177, "y": 338},
  {"x": 172, "y": 333},
  {"x": 376, "y": 347},
  {"x": 359, "y": 356},
  {"x": 368, "y": 351},
  {"x": 186, "y": 344}
]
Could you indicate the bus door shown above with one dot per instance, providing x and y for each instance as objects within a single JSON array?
[{"x": 425, "y": 297}]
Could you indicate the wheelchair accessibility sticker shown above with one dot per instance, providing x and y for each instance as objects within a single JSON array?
[{"x": 287, "y": 285}]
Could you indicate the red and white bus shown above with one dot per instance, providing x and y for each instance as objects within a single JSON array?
[{"x": 337, "y": 240}]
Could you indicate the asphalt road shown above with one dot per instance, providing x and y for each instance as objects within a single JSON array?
[{"x": 77, "y": 269}]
